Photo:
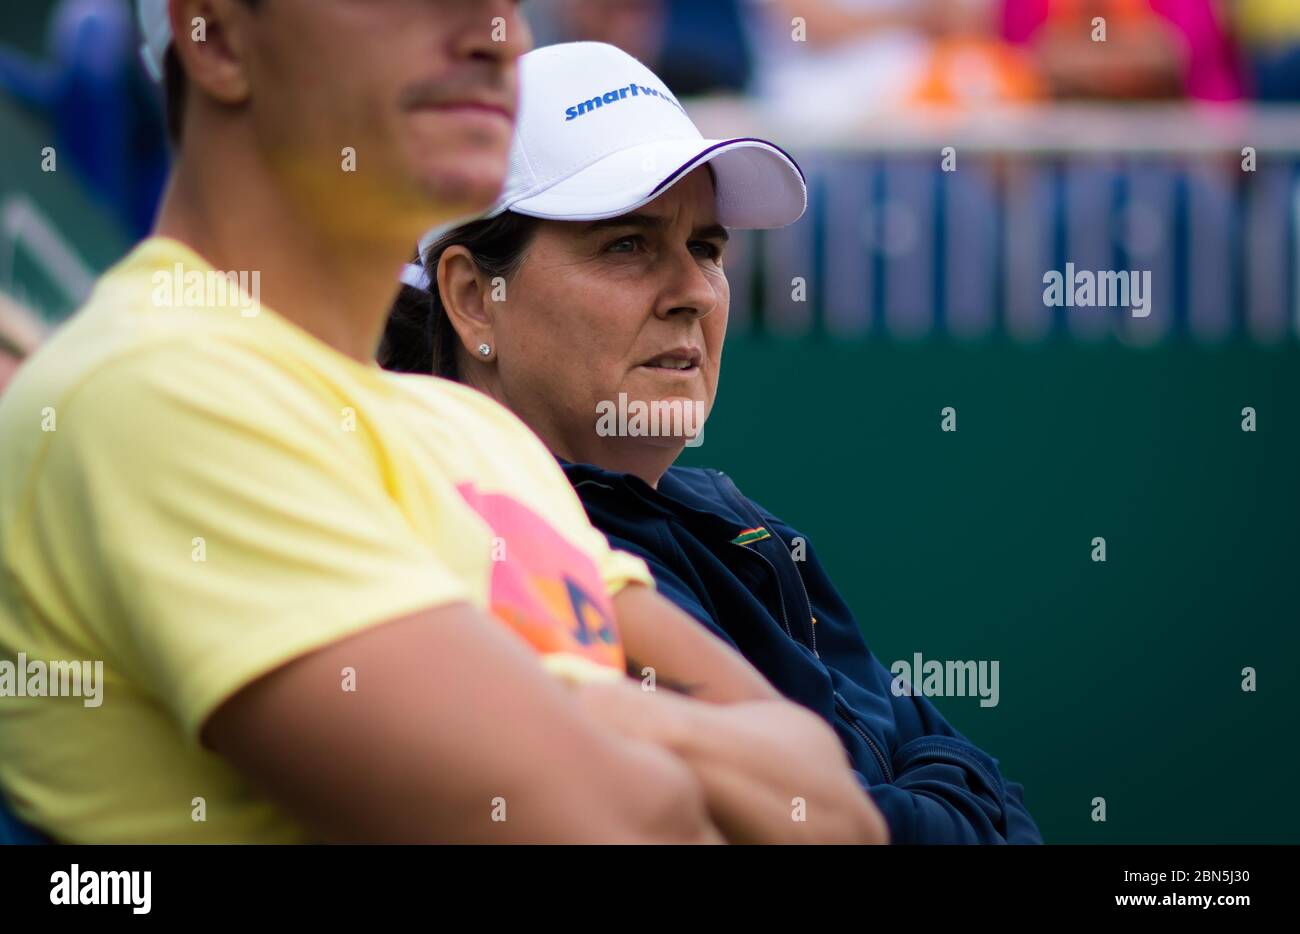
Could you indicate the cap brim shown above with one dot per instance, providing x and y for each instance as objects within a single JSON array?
[{"x": 758, "y": 185}]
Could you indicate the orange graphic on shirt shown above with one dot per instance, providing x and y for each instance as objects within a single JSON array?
[{"x": 544, "y": 588}]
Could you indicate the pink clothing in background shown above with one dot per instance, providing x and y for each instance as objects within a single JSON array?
[{"x": 1213, "y": 73}]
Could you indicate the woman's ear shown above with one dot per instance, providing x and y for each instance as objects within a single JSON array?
[{"x": 462, "y": 287}]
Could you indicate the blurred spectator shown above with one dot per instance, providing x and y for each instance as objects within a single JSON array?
[
  {"x": 970, "y": 63},
  {"x": 92, "y": 91},
  {"x": 706, "y": 48},
  {"x": 697, "y": 48},
  {"x": 827, "y": 61},
  {"x": 1270, "y": 36},
  {"x": 635, "y": 26},
  {"x": 21, "y": 332},
  {"x": 802, "y": 57},
  {"x": 1153, "y": 48}
]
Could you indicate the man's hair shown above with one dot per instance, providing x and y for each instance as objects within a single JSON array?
[
  {"x": 175, "y": 85},
  {"x": 419, "y": 336}
]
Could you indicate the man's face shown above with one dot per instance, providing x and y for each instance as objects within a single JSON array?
[{"x": 409, "y": 102}]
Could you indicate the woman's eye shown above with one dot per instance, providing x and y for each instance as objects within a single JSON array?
[{"x": 623, "y": 245}]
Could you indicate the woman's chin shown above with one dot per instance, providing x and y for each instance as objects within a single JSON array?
[
  {"x": 665, "y": 442},
  {"x": 667, "y": 422}
]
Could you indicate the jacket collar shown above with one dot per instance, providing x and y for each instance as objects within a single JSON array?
[{"x": 697, "y": 496}]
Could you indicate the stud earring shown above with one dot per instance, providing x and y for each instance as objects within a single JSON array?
[{"x": 485, "y": 350}]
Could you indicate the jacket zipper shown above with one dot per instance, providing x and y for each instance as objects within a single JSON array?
[
  {"x": 841, "y": 707},
  {"x": 785, "y": 619},
  {"x": 812, "y": 627},
  {"x": 843, "y": 710}
]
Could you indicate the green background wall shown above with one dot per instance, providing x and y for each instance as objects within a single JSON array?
[{"x": 1119, "y": 679}]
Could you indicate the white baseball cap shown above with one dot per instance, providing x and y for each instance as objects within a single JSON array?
[
  {"x": 598, "y": 135},
  {"x": 157, "y": 31}
]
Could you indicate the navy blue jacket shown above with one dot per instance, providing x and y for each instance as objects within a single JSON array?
[{"x": 729, "y": 564}]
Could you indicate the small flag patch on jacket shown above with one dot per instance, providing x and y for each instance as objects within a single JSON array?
[{"x": 749, "y": 536}]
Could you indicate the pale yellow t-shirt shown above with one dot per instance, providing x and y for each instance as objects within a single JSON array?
[{"x": 194, "y": 494}]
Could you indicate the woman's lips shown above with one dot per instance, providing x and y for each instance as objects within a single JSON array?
[
  {"x": 689, "y": 370},
  {"x": 678, "y": 360}
]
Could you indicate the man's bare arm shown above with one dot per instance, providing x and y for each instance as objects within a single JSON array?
[
  {"x": 451, "y": 712},
  {"x": 772, "y": 771},
  {"x": 683, "y": 654}
]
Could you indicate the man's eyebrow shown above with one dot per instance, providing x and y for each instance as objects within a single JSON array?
[{"x": 650, "y": 222}]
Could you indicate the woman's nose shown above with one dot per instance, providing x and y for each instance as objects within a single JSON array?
[{"x": 689, "y": 291}]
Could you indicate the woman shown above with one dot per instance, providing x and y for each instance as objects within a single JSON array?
[{"x": 596, "y": 284}]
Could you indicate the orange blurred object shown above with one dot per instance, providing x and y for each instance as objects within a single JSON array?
[
  {"x": 1123, "y": 10},
  {"x": 968, "y": 70}
]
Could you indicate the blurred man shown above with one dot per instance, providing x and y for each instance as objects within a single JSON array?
[
  {"x": 1152, "y": 48},
  {"x": 241, "y": 601}
]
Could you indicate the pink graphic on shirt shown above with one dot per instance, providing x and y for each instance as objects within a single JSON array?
[{"x": 544, "y": 588}]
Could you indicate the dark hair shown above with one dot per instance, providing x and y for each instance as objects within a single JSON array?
[
  {"x": 419, "y": 337},
  {"x": 175, "y": 86}
]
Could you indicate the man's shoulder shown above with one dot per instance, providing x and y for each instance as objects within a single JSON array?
[
  {"x": 479, "y": 411},
  {"x": 437, "y": 391},
  {"x": 89, "y": 360},
  {"x": 112, "y": 385},
  {"x": 124, "y": 331}
]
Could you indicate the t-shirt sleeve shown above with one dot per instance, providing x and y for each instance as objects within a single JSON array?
[
  {"x": 617, "y": 568},
  {"x": 216, "y": 517}
]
